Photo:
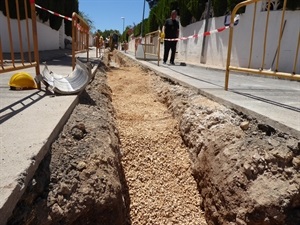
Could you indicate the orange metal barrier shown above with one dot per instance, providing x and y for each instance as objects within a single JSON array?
[
  {"x": 152, "y": 45},
  {"x": 12, "y": 61},
  {"x": 292, "y": 75},
  {"x": 96, "y": 40},
  {"x": 80, "y": 37}
]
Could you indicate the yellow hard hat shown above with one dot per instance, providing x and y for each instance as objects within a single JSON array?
[{"x": 22, "y": 80}]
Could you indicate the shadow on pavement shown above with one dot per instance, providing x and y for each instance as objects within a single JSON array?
[{"x": 10, "y": 110}]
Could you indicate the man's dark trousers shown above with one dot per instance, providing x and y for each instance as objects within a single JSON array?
[{"x": 170, "y": 45}]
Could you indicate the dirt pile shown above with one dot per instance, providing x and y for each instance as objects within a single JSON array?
[
  {"x": 81, "y": 181},
  {"x": 247, "y": 172}
]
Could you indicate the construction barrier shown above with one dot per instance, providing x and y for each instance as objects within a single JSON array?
[
  {"x": 100, "y": 46},
  {"x": 207, "y": 33},
  {"x": 266, "y": 68},
  {"x": 80, "y": 37},
  {"x": 80, "y": 33},
  {"x": 13, "y": 61},
  {"x": 149, "y": 49}
]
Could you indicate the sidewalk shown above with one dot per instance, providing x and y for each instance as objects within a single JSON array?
[
  {"x": 30, "y": 120},
  {"x": 274, "y": 101}
]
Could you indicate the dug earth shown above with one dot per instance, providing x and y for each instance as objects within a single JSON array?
[{"x": 246, "y": 171}]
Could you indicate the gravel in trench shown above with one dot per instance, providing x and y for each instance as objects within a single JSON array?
[{"x": 155, "y": 160}]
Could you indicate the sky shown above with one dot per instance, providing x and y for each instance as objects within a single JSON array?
[{"x": 107, "y": 14}]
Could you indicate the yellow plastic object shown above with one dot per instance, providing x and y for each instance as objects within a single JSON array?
[
  {"x": 162, "y": 37},
  {"x": 22, "y": 80}
]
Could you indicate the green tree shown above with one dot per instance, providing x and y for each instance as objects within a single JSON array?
[
  {"x": 70, "y": 7},
  {"x": 152, "y": 21},
  {"x": 137, "y": 29},
  {"x": 291, "y": 4},
  {"x": 163, "y": 11},
  {"x": 13, "y": 9},
  {"x": 196, "y": 8},
  {"x": 107, "y": 33},
  {"x": 58, "y": 7},
  {"x": 220, "y": 7},
  {"x": 232, "y": 3},
  {"x": 185, "y": 13}
]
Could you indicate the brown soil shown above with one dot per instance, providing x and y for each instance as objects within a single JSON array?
[
  {"x": 155, "y": 160},
  {"x": 140, "y": 149}
]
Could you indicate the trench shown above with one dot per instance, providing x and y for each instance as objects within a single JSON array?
[
  {"x": 118, "y": 160},
  {"x": 156, "y": 162},
  {"x": 139, "y": 149}
]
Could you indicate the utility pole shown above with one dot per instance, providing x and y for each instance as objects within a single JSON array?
[
  {"x": 203, "y": 55},
  {"x": 123, "y": 18},
  {"x": 142, "y": 27}
]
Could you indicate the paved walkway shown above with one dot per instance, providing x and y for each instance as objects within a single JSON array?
[
  {"x": 30, "y": 120},
  {"x": 274, "y": 101}
]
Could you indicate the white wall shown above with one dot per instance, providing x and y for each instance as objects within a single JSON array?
[
  {"x": 48, "y": 38},
  {"x": 216, "y": 52},
  {"x": 189, "y": 51}
]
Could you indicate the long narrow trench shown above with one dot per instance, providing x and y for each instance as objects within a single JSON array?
[{"x": 156, "y": 162}]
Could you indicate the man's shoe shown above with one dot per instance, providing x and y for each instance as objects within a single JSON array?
[
  {"x": 172, "y": 63},
  {"x": 164, "y": 62}
]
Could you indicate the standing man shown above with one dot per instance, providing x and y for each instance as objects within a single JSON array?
[{"x": 170, "y": 31}]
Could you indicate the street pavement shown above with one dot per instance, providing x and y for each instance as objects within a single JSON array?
[{"x": 31, "y": 120}]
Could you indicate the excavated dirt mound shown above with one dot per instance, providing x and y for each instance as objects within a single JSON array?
[
  {"x": 128, "y": 153},
  {"x": 247, "y": 172},
  {"x": 81, "y": 180}
]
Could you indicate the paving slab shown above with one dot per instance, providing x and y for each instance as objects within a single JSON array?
[{"x": 30, "y": 120}]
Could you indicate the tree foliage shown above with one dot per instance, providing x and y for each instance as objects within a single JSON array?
[
  {"x": 152, "y": 21},
  {"x": 106, "y": 33},
  {"x": 220, "y": 7},
  {"x": 72, "y": 6},
  {"x": 292, "y": 4},
  {"x": 63, "y": 7},
  {"x": 196, "y": 8},
  {"x": 13, "y": 9},
  {"x": 185, "y": 13},
  {"x": 232, "y": 3},
  {"x": 152, "y": 3}
]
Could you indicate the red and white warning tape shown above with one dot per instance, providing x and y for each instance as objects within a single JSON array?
[
  {"x": 80, "y": 28},
  {"x": 54, "y": 13},
  {"x": 205, "y": 33}
]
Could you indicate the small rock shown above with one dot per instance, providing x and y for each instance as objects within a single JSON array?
[
  {"x": 245, "y": 125},
  {"x": 57, "y": 210},
  {"x": 64, "y": 189},
  {"x": 78, "y": 131},
  {"x": 51, "y": 201},
  {"x": 296, "y": 162},
  {"x": 240, "y": 222},
  {"x": 81, "y": 165},
  {"x": 293, "y": 145},
  {"x": 273, "y": 142}
]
